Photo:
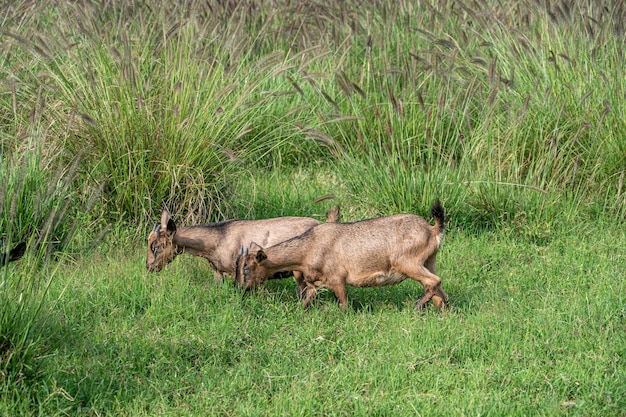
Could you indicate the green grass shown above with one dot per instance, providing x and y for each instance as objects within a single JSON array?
[
  {"x": 532, "y": 330},
  {"x": 510, "y": 112}
]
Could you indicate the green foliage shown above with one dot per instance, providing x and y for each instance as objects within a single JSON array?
[
  {"x": 511, "y": 113},
  {"x": 166, "y": 105}
]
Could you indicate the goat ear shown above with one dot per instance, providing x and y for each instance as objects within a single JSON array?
[
  {"x": 165, "y": 217},
  {"x": 171, "y": 227},
  {"x": 260, "y": 256}
]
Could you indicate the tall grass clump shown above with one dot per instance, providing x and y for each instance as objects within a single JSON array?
[
  {"x": 38, "y": 207},
  {"x": 163, "y": 103},
  {"x": 512, "y": 111},
  {"x": 156, "y": 118}
]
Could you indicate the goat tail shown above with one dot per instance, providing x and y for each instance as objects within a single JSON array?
[{"x": 439, "y": 214}]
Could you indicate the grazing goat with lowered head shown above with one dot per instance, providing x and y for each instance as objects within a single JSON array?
[
  {"x": 367, "y": 253},
  {"x": 219, "y": 243}
]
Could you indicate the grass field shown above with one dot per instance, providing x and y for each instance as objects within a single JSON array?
[
  {"x": 510, "y": 112},
  {"x": 533, "y": 330}
]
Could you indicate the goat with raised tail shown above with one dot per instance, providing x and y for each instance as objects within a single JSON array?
[
  {"x": 219, "y": 243},
  {"x": 367, "y": 253}
]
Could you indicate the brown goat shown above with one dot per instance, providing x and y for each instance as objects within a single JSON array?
[
  {"x": 368, "y": 253},
  {"x": 219, "y": 243},
  {"x": 14, "y": 254}
]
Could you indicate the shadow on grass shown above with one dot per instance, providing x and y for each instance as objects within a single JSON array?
[{"x": 399, "y": 297}]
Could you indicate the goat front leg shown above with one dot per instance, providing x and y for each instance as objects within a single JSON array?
[
  {"x": 302, "y": 287},
  {"x": 307, "y": 295},
  {"x": 339, "y": 289},
  {"x": 218, "y": 277}
]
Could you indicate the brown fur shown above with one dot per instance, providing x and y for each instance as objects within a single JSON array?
[
  {"x": 375, "y": 252},
  {"x": 220, "y": 243}
]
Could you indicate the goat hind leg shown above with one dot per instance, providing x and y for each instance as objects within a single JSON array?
[
  {"x": 430, "y": 282},
  {"x": 426, "y": 296},
  {"x": 440, "y": 299}
]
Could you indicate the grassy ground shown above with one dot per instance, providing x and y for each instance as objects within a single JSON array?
[{"x": 533, "y": 330}]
